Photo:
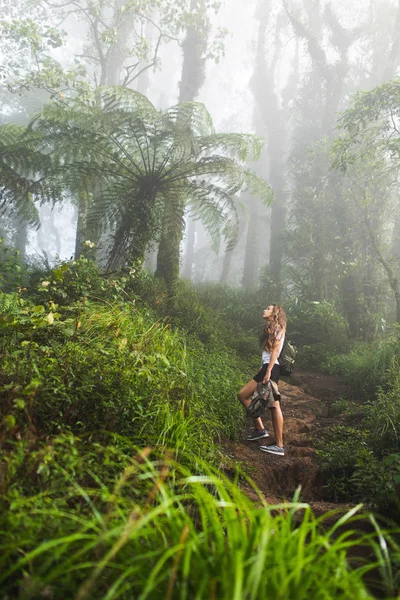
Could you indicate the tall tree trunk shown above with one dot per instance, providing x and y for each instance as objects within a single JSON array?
[
  {"x": 194, "y": 48},
  {"x": 150, "y": 261},
  {"x": 191, "y": 238},
  {"x": 349, "y": 295},
  {"x": 252, "y": 249},
  {"x": 134, "y": 230},
  {"x": 263, "y": 86},
  {"x": 349, "y": 292},
  {"x": 386, "y": 264},
  {"x": 114, "y": 61},
  {"x": 278, "y": 221},
  {"x": 318, "y": 272},
  {"x": 193, "y": 76},
  {"x": 226, "y": 266},
  {"x": 394, "y": 54},
  {"x": 257, "y": 245},
  {"x": 396, "y": 235},
  {"x": 326, "y": 93}
]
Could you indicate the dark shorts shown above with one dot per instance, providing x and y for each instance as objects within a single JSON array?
[{"x": 261, "y": 373}]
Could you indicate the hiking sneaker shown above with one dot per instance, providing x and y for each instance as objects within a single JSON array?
[
  {"x": 257, "y": 434},
  {"x": 273, "y": 450}
]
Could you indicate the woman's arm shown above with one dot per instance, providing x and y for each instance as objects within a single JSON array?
[{"x": 274, "y": 356}]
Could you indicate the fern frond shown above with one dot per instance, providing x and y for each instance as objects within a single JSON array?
[
  {"x": 243, "y": 147},
  {"x": 257, "y": 186},
  {"x": 120, "y": 98},
  {"x": 192, "y": 117},
  {"x": 22, "y": 173}
]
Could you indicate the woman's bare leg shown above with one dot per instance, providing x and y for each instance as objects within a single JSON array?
[
  {"x": 244, "y": 397},
  {"x": 277, "y": 423}
]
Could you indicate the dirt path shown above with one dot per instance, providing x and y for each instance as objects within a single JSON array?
[{"x": 305, "y": 404}]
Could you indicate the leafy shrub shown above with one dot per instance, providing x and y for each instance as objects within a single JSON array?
[
  {"x": 241, "y": 308},
  {"x": 364, "y": 464},
  {"x": 188, "y": 313},
  {"x": 149, "y": 290},
  {"x": 353, "y": 365},
  {"x": 45, "y": 468},
  {"x": 13, "y": 272},
  {"x": 368, "y": 366},
  {"x": 383, "y": 416},
  {"x": 318, "y": 323},
  {"x": 75, "y": 281},
  {"x": 377, "y": 482},
  {"x": 339, "y": 407},
  {"x": 340, "y": 448},
  {"x": 9, "y": 303},
  {"x": 268, "y": 285},
  {"x": 102, "y": 366},
  {"x": 313, "y": 357}
]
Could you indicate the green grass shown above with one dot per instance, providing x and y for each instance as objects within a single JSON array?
[{"x": 162, "y": 532}]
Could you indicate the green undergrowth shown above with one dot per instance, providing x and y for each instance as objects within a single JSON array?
[
  {"x": 112, "y": 366},
  {"x": 84, "y": 354},
  {"x": 368, "y": 366},
  {"x": 318, "y": 330},
  {"x": 218, "y": 316},
  {"x": 149, "y": 527},
  {"x": 361, "y": 455},
  {"x": 98, "y": 374},
  {"x": 361, "y": 460}
]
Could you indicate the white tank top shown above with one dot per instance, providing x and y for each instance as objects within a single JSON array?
[{"x": 266, "y": 356}]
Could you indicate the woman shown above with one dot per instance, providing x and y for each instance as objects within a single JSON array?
[{"x": 271, "y": 342}]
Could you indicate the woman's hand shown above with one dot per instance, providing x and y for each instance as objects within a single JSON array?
[{"x": 267, "y": 377}]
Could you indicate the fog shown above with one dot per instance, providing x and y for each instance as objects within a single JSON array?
[{"x": 284, "y": 70}]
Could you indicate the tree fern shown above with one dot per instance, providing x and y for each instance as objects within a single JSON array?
[{"x": 146, "y": 166}]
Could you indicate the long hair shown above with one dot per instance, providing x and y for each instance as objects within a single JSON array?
[{"x": 273, "y": 327}]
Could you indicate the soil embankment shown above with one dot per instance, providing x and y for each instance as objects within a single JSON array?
[{"x": 305, "y": 405}]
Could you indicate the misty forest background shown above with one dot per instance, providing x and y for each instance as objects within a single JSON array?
[{"x": 167, "y": 170}]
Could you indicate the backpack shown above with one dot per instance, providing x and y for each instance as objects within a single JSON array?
[{"x": 287, "y": 357}]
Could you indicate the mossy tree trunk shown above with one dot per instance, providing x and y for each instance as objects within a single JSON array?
[
  {"x": 135, "y": 229},
  {"x": 171, "y": 236}
]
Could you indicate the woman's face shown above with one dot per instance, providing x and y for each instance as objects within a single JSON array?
[{"x": 268, "y": 312}]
